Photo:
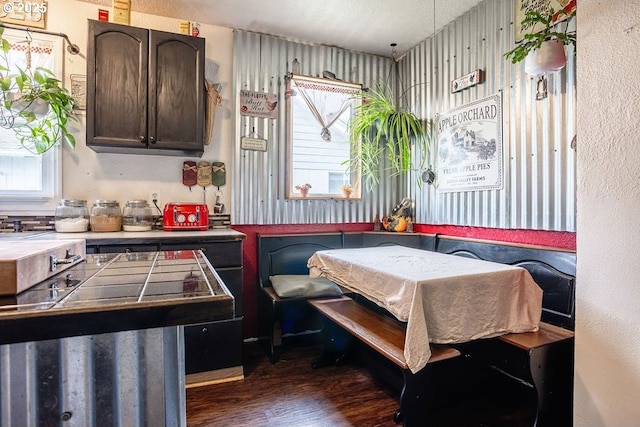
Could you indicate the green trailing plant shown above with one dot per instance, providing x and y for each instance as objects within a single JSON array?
[
  {"x": 532, "y": 41},
  {"x": 381, "y": 128},
  {"x": 23, "y": 91}
]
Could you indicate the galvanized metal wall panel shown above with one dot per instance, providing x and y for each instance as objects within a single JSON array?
[
  {"x": 539, "y": 164},
  {"x": 260, "y": 64},
  {"x": 131, "y": 378}
]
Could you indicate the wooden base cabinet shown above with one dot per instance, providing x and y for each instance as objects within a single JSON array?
[{"x": 213, "y": 352}]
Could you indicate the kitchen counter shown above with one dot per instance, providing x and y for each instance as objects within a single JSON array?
[
  {"x": 118, "y": 292},
  {"x": 101, "y": 343},
  {"x": 152, "y": 236}
]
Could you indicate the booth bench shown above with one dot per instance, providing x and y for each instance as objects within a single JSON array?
[{"x": 541, "y": 360}]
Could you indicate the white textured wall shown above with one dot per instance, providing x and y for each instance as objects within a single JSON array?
[
  {"x": 607, "y": 380},
  {"x": 89, "y": 175}
]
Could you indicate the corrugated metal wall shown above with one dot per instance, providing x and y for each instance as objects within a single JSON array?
[
  {"x": 129, "y": 378},
  {"x": 260, "y": 64},
  {"x": 539, "y": 163}
]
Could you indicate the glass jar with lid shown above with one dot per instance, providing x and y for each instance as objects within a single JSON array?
[
  {"x": 72, "y": 216},
  {"x": 106, "y": 216},
  {"x": 137, "y": 216}
]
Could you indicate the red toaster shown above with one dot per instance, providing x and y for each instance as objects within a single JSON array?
[{"x": 185, "y": 216}]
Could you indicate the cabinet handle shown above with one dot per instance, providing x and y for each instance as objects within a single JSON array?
[
  {"x": 68, "y": 259},
  {"x": 152, "y": 140},
  {"x": 143, "y": 139}
]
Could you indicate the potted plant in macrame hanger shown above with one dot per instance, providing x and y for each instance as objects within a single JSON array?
[
  {"x": 33, "y": 103},
  {"x": 383, "y": 128},
  {"x": 543, "y": 51}
]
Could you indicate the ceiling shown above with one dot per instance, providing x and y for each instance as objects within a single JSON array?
[{"x": 368, "y": 26}]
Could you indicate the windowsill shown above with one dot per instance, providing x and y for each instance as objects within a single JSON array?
[{"x": 28, "y": 207}]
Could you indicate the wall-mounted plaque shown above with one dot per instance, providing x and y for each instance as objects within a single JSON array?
[
  {"x": 256, "y": 144},
  {"x": 258, "y": 104},
  {"x": 468, "y": 80}
]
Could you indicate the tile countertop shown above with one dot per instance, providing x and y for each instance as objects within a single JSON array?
[{"x": 117, "y": 292}]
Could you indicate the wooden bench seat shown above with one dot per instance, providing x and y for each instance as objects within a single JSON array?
[
  {"x": 386, "y": 336},
  {"x": 542, "y": 361},
  {"x": 547, "y": 334},
  {"x": 381, "y": 333}
]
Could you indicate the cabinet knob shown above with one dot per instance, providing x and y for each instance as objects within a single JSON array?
[
  {"x": 143, "y": 139},
  {"x": 205, "y": 330},
  {"x": 152, "y": 140}
]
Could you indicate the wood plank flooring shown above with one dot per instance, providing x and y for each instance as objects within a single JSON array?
[{"x": 291, "y": 393}]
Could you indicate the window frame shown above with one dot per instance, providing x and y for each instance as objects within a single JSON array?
[
  {"x": 355, "y": 172},
  {"x": 45, "y": 201}
]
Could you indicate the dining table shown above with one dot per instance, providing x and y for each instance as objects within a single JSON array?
[{"x": 443, "y": 299}]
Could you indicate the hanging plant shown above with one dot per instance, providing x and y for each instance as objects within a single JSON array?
[
  {"x": 381, "y": 128},
  {"x": 532, "y": 42},
  {"x": 34, "y": 104}
]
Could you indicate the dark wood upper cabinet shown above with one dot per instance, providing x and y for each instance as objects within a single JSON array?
[{"x": 145, "y": 91}]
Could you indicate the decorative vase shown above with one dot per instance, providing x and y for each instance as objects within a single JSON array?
[
  {"x": 304, "y": 192},
  {"x": 549, "y": 58},
  {"x": 346, "y": 193}
]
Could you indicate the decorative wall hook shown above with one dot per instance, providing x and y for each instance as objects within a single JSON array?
[{"x": 541, "y": 88}]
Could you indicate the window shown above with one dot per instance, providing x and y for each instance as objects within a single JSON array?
[
  {"x": 318, "y": 143},
  {"x": 25, "y": 177}
]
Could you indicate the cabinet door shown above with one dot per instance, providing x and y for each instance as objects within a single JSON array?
[
  {"x": 117, "y": 81},
  {"x": 211, "y": 346},
  {"x": 176, "y": 92}
]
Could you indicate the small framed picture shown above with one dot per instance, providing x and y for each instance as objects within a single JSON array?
[{"x": 79, "y": 91}]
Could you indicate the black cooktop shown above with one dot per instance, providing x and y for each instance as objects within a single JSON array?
[{"x": 113, "y": 292}]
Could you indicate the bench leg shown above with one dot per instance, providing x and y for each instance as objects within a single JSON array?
[
  {"x": 551, "y": 373},
  {"x": 272, "y": 343},
  {"x": 416, "y": 400},
  {"x": 335, "y": 343}
]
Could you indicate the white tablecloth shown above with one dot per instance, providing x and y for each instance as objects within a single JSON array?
[{"x": 443, "y": 298}]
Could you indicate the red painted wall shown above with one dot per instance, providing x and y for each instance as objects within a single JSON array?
[{"x": 555, "y": 239}]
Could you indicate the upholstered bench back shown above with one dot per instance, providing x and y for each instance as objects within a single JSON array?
[
  {"x": 288, "y": 254},
  {"x": 553, "y": 270}
]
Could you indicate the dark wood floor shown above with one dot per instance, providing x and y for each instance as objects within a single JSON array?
[{"x": 291, "y": 393}]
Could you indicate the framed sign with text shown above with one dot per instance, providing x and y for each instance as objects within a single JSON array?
[
  {"x": 258, "y": 104},
  {"x": 24, "y": 13},
  {"x": 469, "y": 146}
]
